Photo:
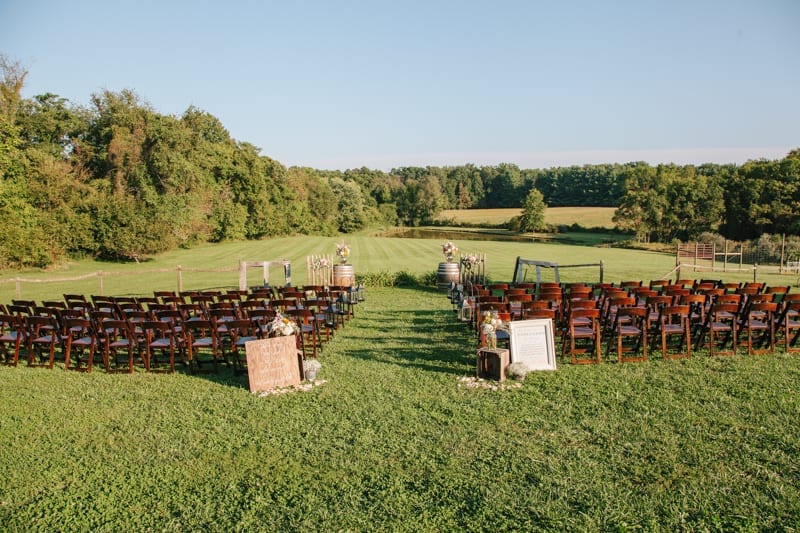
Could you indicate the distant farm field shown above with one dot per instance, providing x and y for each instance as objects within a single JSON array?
[{"x": 588, "y": 217}]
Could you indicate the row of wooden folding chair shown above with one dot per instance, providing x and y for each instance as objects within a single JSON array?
[{"x": 119, "y": 338}]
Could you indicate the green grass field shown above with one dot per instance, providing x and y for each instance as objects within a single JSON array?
[
  {"x": 369, "y": 254},
  {"x": 392, "y": 441},
  {"x": 588, "y": 217}
]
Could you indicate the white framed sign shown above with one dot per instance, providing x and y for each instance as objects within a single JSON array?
[{"x": 533, "y": 344}]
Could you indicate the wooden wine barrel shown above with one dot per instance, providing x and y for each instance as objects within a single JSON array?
[
  {"x": 447, "y": 274},
  {"x": 344, "y": 275}
]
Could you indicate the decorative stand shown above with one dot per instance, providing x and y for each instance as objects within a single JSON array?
[
  {"x": 492, "y": 363},
  {"x": 343, "y": 275},
  {"x": 447, "y": 274}
]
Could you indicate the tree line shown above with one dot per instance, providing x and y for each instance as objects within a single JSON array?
[{"x": 116, "y": 179}]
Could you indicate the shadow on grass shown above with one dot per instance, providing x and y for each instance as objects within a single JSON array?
[{"x": 440, "y": 346}]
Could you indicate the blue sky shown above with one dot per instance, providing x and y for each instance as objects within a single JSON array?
[{"x": 383, "y": 84}]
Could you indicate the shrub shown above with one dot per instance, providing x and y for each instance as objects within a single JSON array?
[{"x": 396, "y": 279}]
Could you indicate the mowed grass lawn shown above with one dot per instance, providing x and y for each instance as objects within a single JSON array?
[
  {"x": 588, "y": 217},
  {"x": 368, "y": 254},
  {"x": 393, "y": 442}
]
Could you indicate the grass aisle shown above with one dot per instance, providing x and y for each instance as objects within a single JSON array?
[{"x": 392, "y": 442}]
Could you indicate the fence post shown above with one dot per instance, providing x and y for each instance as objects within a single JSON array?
[
  {"x": 601, "y": 271},
  {"x": 725, "y": 269},
  {"x": 18, "y": 283},
  {"x": 100, "y": 282},
  {"x": 755, "y": 273},
  {"x": 741, "y": 255},
  {"x": 783, "y": 253},
  {"x": 180, "y": 279},
  {"x": 242, "y": 275},
  {"x": 714, "y": 257}
]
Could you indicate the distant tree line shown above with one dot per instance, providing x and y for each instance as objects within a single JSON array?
[{"x": 117, "y": 180}]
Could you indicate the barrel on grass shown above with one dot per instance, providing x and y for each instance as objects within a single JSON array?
[
  {"x": 447, "y": 274},
  {"x": 343, "y": 275}
]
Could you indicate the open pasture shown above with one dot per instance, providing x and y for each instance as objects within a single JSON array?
[{"x": 587, "y": 217}]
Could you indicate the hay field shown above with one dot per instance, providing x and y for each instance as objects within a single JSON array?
[{"x": 588, "y": 217}]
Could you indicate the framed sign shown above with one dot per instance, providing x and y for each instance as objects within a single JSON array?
[
  {"x": 533, "y": 344},
  {"x": 273, "y": 363}
]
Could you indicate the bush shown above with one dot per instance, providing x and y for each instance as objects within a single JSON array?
[{"x": 396, "y": 279}]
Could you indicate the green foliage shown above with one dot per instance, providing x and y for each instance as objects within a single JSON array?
[
  {"x": 420, "y": 201},
  {"x": 402, "y": 278},
  {"x": 532, "y": 218},
  {"x": 349, "y": 205},
  {"x": 179, "y": 181},
  {"x": 763, "y": 197}
]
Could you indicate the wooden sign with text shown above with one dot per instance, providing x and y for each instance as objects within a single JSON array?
[{"x": 273, "y": 363}]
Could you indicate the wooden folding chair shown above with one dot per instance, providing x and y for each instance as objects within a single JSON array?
[
  {"x": 629, "y": 334},
  {"x": 719, "y": 329},
  {"x": 758, "y": 325},
  {"x": 582, "y": 336},
  {"x": 12, "y": 338},
  {"x": 673, "y": 330}
]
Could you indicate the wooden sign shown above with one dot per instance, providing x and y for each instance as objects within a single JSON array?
[
  {"x": 532, "y": 343},
  {"x": 273, "y": 363}
]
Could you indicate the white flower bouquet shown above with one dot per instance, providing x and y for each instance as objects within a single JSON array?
[{"x": 449, "y": 250}]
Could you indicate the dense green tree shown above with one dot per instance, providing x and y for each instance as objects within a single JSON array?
[
  {"x": 533, "y": 210},
  {"x": 641, "y": 207},
  {"x": 316, "y": 207},
  {"x": 349, "y": 205},
  {"x": 763, "y": 197},
  {"x": 420, "y": 201},
  {"x": 502, "y": 185}
]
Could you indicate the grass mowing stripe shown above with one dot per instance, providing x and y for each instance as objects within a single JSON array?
[{"x": 370, "y": 254}]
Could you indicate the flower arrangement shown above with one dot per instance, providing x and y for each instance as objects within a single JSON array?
[
  {"x": 310, "y": 368},
  {"x": 468, "y": 261},
  {"x": 491, "y": 323},
  {"x": 449, "y": 250},
  {"x": 320, "y": 262},
  {"x": 343, "y": 251},
  {"x": 281, "y": 326}
]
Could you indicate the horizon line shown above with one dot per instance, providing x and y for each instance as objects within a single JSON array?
[{"x": 550, "y": 159}]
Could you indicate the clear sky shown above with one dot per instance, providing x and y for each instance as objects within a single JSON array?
[{"x": 382, "y": 84}]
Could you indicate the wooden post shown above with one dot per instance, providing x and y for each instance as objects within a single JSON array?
[
  {"x": 601, "y": 271},
  {"x": 242, "y": 275},
  {"x": 695, "y": 256},
  {"x": 725, "y": 268},
  {"x": 783, "y": 249},
  {"x": 180, "y": 279},
  {"x": 100, "y": 281},
  {"x": 714, "y": 257},
  {"x": 741, "y": 255},
  {"x": 18, "y": 283}
]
